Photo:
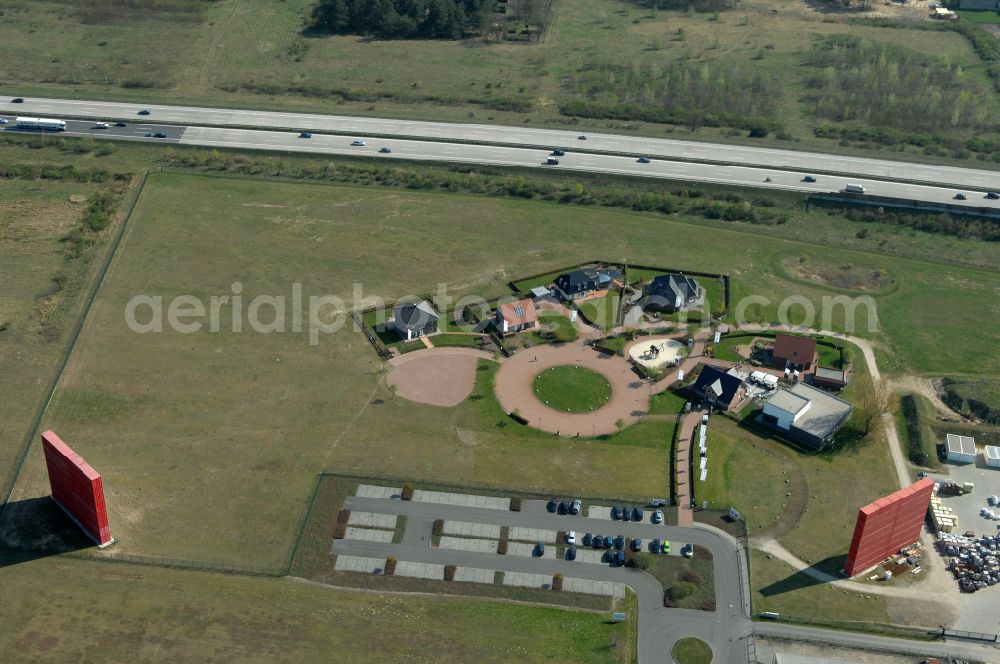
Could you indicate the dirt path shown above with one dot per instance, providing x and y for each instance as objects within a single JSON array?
[{"x": 923, "y": 387}]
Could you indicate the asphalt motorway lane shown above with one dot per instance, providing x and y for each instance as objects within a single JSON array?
[
  {"x": 135, "y": 131},
  {"x": 659, "y": 627}
]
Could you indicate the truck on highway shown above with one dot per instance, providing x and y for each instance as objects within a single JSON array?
[
  {"x": 40, "y": 124},
  {"x": 854, "y": 189}
]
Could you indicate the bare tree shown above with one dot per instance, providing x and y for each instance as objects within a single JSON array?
[{"x": 872, "y": 397}]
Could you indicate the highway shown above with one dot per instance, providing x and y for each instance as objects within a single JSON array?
[
  {"x": 949, "y": 177},
  {"x": 448, "y": 152}
]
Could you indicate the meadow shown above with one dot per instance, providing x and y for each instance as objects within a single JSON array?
[{"x": 254, "y": 53}]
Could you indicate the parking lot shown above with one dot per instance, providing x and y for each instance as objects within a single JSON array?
[{"x": 967, "y": 507}]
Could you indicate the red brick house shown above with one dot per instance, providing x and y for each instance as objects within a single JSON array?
[
  {"x": 516, "y": 317},
  {"x": 792, "y": 352}
]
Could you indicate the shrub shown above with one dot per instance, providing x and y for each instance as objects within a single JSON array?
[
  {"x": 680, "y": 590},
  {"x": 339, "y": 531},
  {"x": 438, "y": 527},
  {"x": 390, "y": 566},
  {"x": 515, "y": 504},
  {"x": 557, "y": 582},
  {"x": 408, "y": 491},
  {"x": 449, "y": 572}
]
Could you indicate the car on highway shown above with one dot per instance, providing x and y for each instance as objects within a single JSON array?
[
  {"x": 960, "y": 196},
  {"x": 616, "y": 513},
  {"x": 552, "y": 505},
  {"x": 571, "y": 553},
  {"x": 3, "y": 120},
  {"x": 539, "y": 550},
  {"x": 665, "y": 546},
  {"x": 159, "y": 134},
  {"x": 657, "y": 517},
  {"x": 558, "y": 152},
  {"x": 148, "y": 134},
  {"x": 100, "y": 125},
  {"x": 384, "y": 150},
  {"x": 144, "y": 111},
  {"x": 588, "y": 540},
  {"x": 636, "y": 544},
  {"x": 687, "y": 550},
  {"x": 581, "y": 137},
  {"x": 121, "y": 124},
  {"x": 358, "y": 142},
  {"x": 576, "y": 506},
  {"x": 654, "y": 546},
  {"x": 643, "y": 159},
  {"x": 17, "y": 100},
  {"x": 637, "y": 514},
  {"x": 305, "y": 134},
  {"x": 993, "y": 195},
  {"x": 620, "y": 542},
  {"x": 551, "y": 161},
  {"x": 571, "y": 537},
  {"x": 809, "y": 178}
]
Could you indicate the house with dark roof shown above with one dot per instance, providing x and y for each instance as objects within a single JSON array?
[
  {"x": 585, "y": 282},
  {"x": 835, "y": 379},
  {"x": 794, "y": 353},
  {"x": 415, "y": 319},
  {"x": 805, "y": 414},
  {"x": 670, "y": 292},
  {"x": 513, "y": 317},
  {"x": 720, "y": 389}
]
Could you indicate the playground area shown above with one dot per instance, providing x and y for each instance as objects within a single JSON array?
[{"x": 657, "y": 352}]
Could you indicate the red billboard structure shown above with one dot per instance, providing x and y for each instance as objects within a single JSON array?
[
  {"x": 887, "y": 526},
  {"x": 77, "y": 488}
]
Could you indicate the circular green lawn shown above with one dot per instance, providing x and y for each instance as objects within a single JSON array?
[
  {"x": 572, "y": 389},
  {"x": 691, "y": 651}
]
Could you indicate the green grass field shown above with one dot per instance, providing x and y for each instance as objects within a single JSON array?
[
  {"x": 602, "y": 311},
  {"x": 572, "y": 389},
  {"x": 691, "y": 651},
  {"x": 154, "y": 614},
  {"x": 252, "y": 53}
]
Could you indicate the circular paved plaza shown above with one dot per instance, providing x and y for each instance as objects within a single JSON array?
[{"x": 515, "y": 390}]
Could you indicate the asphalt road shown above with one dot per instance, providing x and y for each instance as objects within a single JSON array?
[
  {"x": 659, "y": 627},
  {"x": 132, "y": 131},
  {"x": 802, "y": 162}
]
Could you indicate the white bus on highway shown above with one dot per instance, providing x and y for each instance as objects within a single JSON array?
[{"x": 41, "y": 124}]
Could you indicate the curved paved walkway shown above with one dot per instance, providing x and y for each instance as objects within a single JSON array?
[
  {"x": 435, "y": 376},
  {"x": 515, "y": 390}
]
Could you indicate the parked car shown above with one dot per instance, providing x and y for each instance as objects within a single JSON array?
[
  {"x": 144, "y": 111},
  {"x": 626, "y": 514},
  {"x": 637, "y": 514},
  {"x": 665, "y": 546},
  {"x": 576, "y": 506},
  {"x": 960, "y": 196},
  {"x": 571, "y": 553},
  {"x": 305, "y": 134},
  {"x": 993, "y": 195},
  {"x": 17, "y": 100},
  {"x": 654, "y": 546},
  {"x": 563, "y": 507},
  {"x": 658, "y": 502},
  {"x": 540, "y": 549},
  {"x": 121, "y": 124},
  {"x": 609, "y": 541},
  {"x": 657, "y": 517},
  {"x": 571, "y": 537},
  {"x": 558, "y": 152},
  {"x": 588, "y": 540},
  {"x": 687, "y": 550},
  {"x": 809, "y": 178},
  {"x": 620, "y": 542},
  {"x": 357, "y": 142},
  {"x": 616, "y": 513},
  {"x": 384, "y": 150},
  {"x": 704, "y": 418},
  {"x": 598, "y": 541},
  {"x": 620, "y": 558},
  {"x": 636, "y": 544},
  {"x": 643, "y": 159},
  {"x": 552, "y": 505}
]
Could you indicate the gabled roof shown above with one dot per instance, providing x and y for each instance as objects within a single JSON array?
[
  {"x": 521, "y": 312},
  {"x": 590, "y": 277},
  {"x": 415, "y": 314},
  {"x": 797, "y": 349},
  {"x": 722, "y": 385},
  {"x": 576, "y": 278},
  {"x": 672, "y": 286}
]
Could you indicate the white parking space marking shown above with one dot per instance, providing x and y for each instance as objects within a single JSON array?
[
  {"x": 525, "y": 580},
  {"x": 589, "y": 556},
  {"x": 528, "y": 550},
  {"x": 470, "y": 529},
  {"x": 588, "y": 586},
  {"x": 375, "y": 491},
  {"x": 469, "y": 544},
  {"x": 474, "y": 575},
  {"x": 599, "y": 512},
  {"x": 532, "y": 534},
  {"x": 358, "y": 564},
  {"x": 368, "y": 535},
  {"x": 419, "y": 570},
  {"x": 372, "y": 520},
  {"x": 462, "y": 499}
]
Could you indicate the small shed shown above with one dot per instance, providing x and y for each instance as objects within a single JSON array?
[
  {"x": 961, "y": 449},
  {"x": 992, "y": 455}
]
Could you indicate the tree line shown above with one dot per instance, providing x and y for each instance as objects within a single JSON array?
[{"x": 399, "y": 19}]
